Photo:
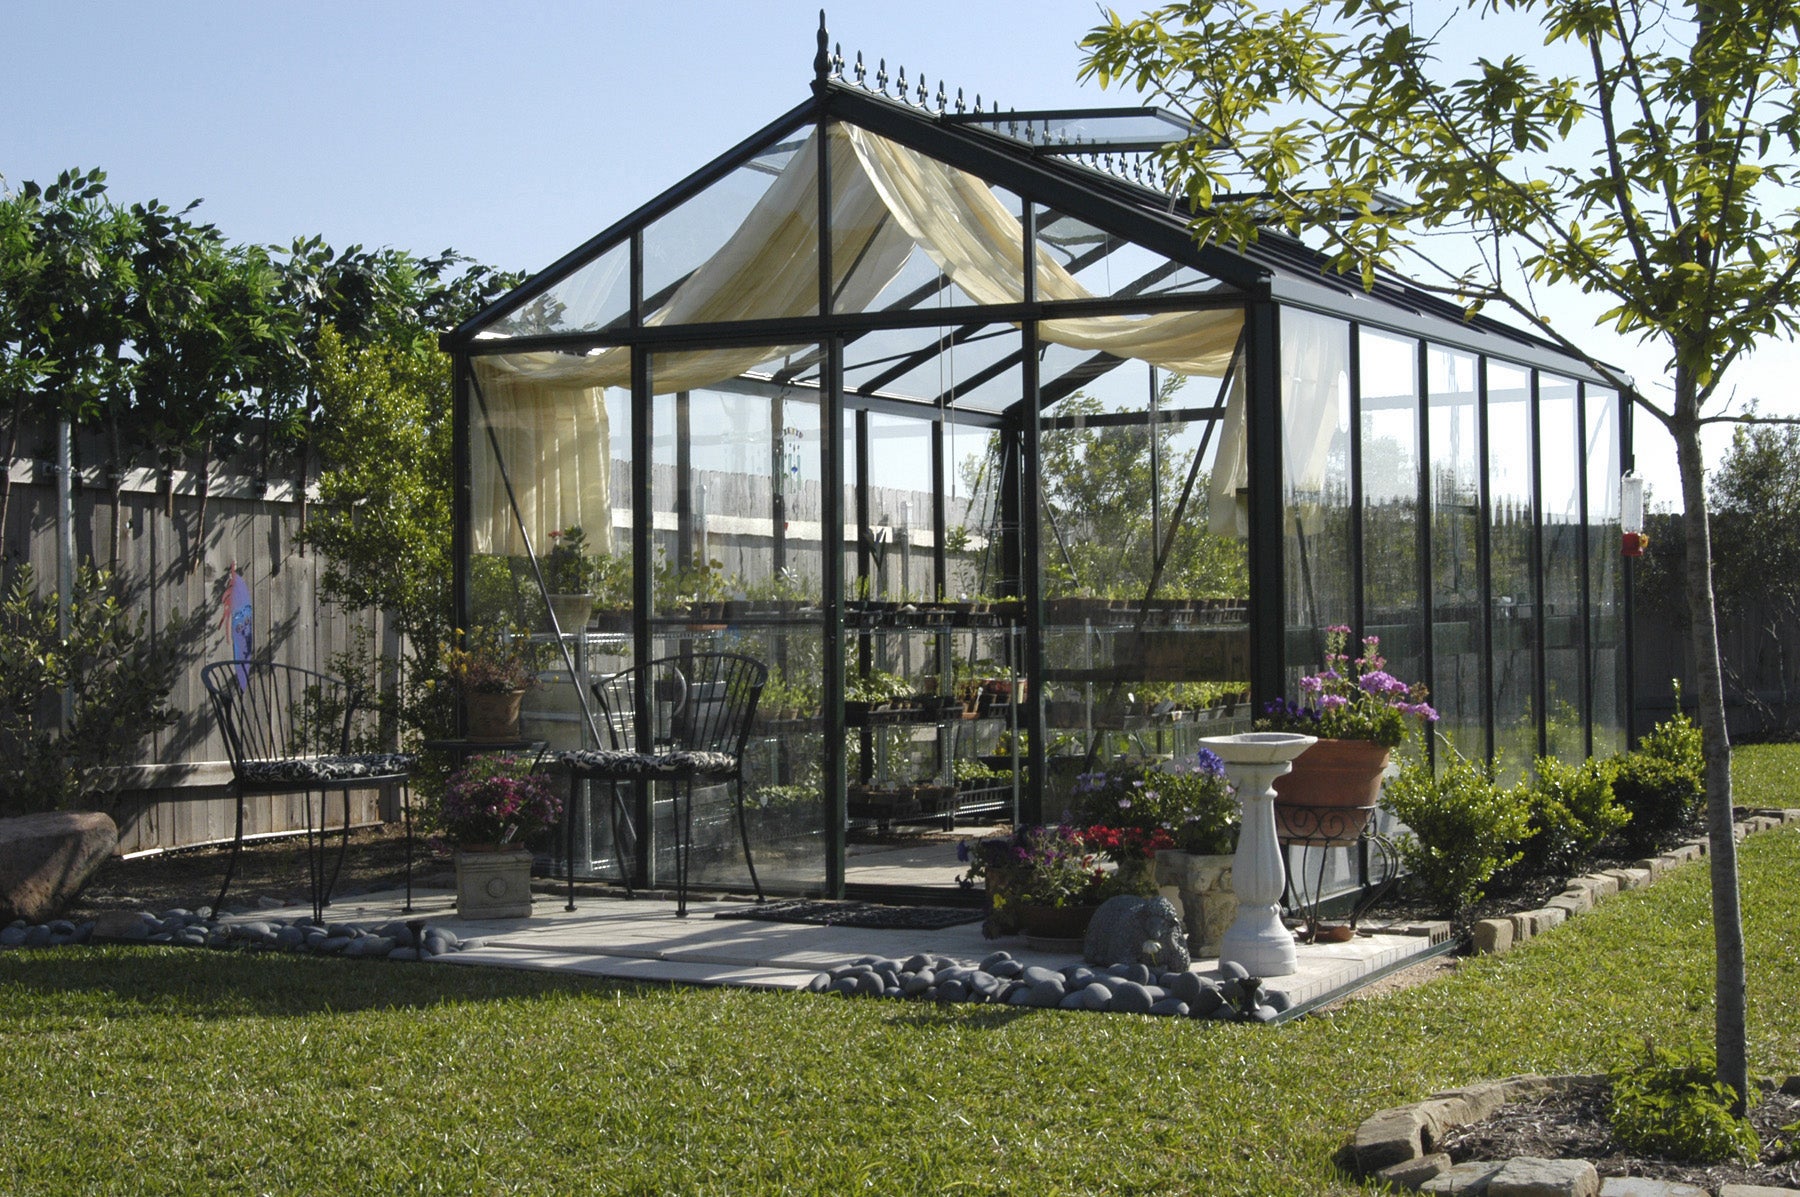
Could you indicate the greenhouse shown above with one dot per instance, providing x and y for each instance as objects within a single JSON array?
[{"x": 940, "y": 414}]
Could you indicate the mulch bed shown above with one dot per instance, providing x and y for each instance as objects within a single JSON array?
[{"x": 1573, "y": 1125}]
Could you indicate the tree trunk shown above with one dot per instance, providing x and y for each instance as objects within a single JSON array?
[{"x": 1730, "y": 1034}]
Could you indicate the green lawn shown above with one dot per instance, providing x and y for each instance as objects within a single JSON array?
[{"x": 167, "y": 1071}]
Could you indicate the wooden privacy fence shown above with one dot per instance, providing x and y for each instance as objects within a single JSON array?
[{"x": 171, "y": 560}]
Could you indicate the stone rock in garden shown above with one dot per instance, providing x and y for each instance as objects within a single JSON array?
[
  {"x": 123, "y": 925},
  {"x": 1231, "y": 970},
  {"x": 46, "y": 859},
  {"x": 1390, "y": 1137},
  {"x": 1073, "y": 1000},
  {"x": 1095, "y": 997},
  {"x": 1037, "y": 974},
  {"x": 1410, "y": 1174},
  {"x": 1277, "y": 999},
  {"x": 1130, "y": 998},
  {"x": 1170, "y": 1008},
  {"x": 918, "y": 963},
  {"x": 1045, "y": 995},
  {"x": 1644, "y": 1186},
  {"x": 915, "y": 984},
  {"x": 1528, "y": 1176},
  {"x": 1469, "y": 1179},
  {"x": 1134, "y": 930},
  {"x": 953, "y": 990},
  {"x": 1755, "y": 1191},
  {"x": 1008, "y": 969}
]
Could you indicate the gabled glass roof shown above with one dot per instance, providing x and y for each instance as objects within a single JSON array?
[{"x": 1082, "y": 130}]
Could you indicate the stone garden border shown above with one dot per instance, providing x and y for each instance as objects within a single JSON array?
[{"x": 1400, "y": 1146}]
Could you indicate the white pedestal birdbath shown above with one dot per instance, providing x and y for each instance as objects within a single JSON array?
[{"x": 1257, "y": 940}]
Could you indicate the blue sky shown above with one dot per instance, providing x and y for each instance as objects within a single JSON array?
[{"x": 513, "y": 131}]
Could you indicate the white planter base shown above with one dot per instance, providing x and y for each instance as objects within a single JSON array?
[{"x": 493, "y": 885}]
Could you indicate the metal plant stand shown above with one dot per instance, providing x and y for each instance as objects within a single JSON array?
[{"x": 1334, "y": 827}]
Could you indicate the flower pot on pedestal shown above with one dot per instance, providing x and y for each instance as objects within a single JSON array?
[
  {"x": 493, "y": 882},
  {"x": 1331, "y": 792},
  {"x": 1202, "y": 888}
]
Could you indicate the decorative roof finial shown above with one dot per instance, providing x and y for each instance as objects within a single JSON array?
[
  {"x": 900, "y": 82},
  {"x": 881, "y": 77},
  {"x": 959, "y": 101},
  {"x": 924, "y": 95},
  {"x": 822, "y": 59},
  {"x": 942, "y": 99},
  {"x": 837, "y": 60},
  {"x": 861, "y": 71}
]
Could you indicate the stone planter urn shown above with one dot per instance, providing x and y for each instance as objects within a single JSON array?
[
  {"x": 1200, "y": 887},
  {"x": 572, "y": 611},
  {"x": 493, "y": 882}
]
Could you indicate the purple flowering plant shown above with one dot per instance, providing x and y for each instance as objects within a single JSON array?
[
  {"x": 1188, "y": 799},
  {"x": 1351, "y": 698},
  {"x": 496, "y": 799}
]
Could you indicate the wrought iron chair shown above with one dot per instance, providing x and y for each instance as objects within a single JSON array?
[
  {"x": 701, "y": 709},
  {"x": 287, "y": 731}
]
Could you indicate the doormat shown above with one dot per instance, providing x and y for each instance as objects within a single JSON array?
[{"x": 820, "y": 913}]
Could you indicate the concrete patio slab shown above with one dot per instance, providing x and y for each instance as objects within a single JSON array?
[{"x": 642, "y": 940}]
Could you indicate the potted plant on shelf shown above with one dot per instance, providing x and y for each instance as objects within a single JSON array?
[
  {"x": 491, "y": 670},
  {"x": 570, "y": 574},
  {"x": 1360, "y": 713},
  {"x": 490, "y": 808}
]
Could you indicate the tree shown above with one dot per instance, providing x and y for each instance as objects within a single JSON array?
[
  {"x": 1651, "y": 171},
  {"x": 1755, "y": 498}
]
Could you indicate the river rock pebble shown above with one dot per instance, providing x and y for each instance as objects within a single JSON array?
[
  {"x": 400, "y": 940},
  {"x": 998, "y": 979}
]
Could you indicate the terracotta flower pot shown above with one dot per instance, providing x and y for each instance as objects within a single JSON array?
[
  {"x": 1330, "y": 794},
  {"x": 1053, "y": 922},
  {"x": 493, "y": 718}
]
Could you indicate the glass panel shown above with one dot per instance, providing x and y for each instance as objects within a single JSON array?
[
  {"x": 960, "y": 367},
  {"x": 1458, "y": 690},
  {"x": 744, "y": 248},
  {"x": 1117, "y": 130},
  {"x": 595, "y": 296},
  {"x": 972, "y": 473},
  {"x": 1510, "y": 451},
  {"x": 1559, "y": 441},
  {"x": 1390, "y": 486},
  {"x": 1315, "y": 430},
  {"x": 1146, "y": 641},
  {"x": 1606, "y": 576},
  {"x": 900, "y": 508},
  {"x": 736, "y": 522},
  {"x": 1102, "y": 264}
]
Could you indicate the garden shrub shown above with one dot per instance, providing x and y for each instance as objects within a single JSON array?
[
  {"x": 118, "y": 673},
  {"x": 1571, "y": 808},
  {"x": 1673, "y": 1104},
  {"x": 1659, "y": 794},
  {"x": 1462, "y": 828}
]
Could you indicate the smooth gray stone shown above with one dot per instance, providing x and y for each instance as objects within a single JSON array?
[
  {"x": 1044, "y": 995},
  {"x": 61, "y": 927},
  {"x": 1073, "y": 1001},
  {"x": 1020, "y": 996},
  {"x": 1096, "y": 997},
  {"x": 1189, "y": 986},
  {"x": 191, "y": 937},
  {"x": 1263, "y": 1013},
  {"x": 1007, "y": 969},
  {"x": 819, "y": 983},
  {"x": 1170, "y": 1008},
  {"x": 892, "y": 991},
  {"x": 265, "y": 902},
  {"x": 1037, "y": 974},
  {"x": 869, "y": 984},
  {"x": 1277, "y": 998},
  {"x": 37, "y": 937},
  {"x": 161, "y": 937},
  {"x": 991, "y": 959},
  {"x": 1130, "y": 998},
  {"x": 290, "y": 937},
  {"x": 918, "y": 962},
  {"x": 929, "y": 975},
  {"x": 341, "y": 929},
  {"x": 952, "y": 990},
  {"x": 1232, "y": 970},
  {"x": 915, "y": 984},
  {"x": 1220, "y": 1013},
  {"x": 843, "y": 985},
  {"x": 468, "y": 945},
  {"x": 335, "y": 943},
  {"x": 60, "y": 939},
  {"x": 12, "y": 937},
  {"x": 987, "y": 984},
  {"x": 370, "y": 945},
  {"x": 397, "y": 931},
  {"x": 439, "y": 942},
  {"x": 1079, "y": 973}
]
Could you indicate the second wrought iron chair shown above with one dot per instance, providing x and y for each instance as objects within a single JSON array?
[
  {"x": 698, "y": 715},
  {"x": 287, "y": 731}
]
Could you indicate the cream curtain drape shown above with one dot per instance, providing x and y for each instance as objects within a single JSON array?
[{"x": 887, "y": 200}]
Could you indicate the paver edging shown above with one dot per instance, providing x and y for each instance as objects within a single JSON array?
[{"x": 1496, "y": 936}]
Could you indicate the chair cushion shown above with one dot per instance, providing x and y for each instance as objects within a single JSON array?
[
  {"x": 625, "y": 766},
  {"x": 317, "y": 769}
]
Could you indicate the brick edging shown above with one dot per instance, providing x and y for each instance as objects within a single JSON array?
[{"x": 1498, "y": 935}]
